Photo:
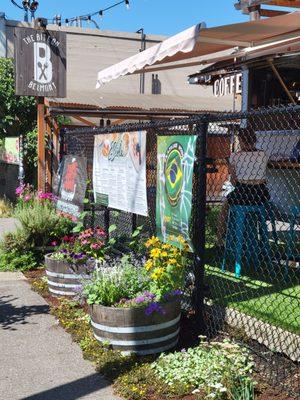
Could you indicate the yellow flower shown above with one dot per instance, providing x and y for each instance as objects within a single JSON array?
[
  {"x": 155, "y": 253},
  {"x": 172, "y": 261},
  {"x": 148, "y": 265},
  {"x": 181, "y": 239},
  {"x": 157, "y": 273},
  {"x": 153, "y": 241},
  {"x": 164, "y": 254}
]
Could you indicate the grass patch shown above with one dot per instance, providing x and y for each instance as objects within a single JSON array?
[{"x": 275, "y": 302}]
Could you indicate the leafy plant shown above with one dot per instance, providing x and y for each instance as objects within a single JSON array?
[
  {"x": 112, "y": 283},
  {"x": 214, "y": 370},
  {"x": 17, "y": 261},
  {"x": 17, "y": 252}
]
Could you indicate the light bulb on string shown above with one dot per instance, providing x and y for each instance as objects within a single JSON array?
[
  {"x": 101, "y": 14},
  {"x": 89, "y": 19},
  {"x": 127, "y": 4}
]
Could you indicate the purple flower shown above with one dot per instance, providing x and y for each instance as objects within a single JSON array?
[
  {"x": 149, "y": 295},
  {"x": 79, "y": 256},
  {"x": 140, "y": 299},
  {"x": 154, "y": 307}
]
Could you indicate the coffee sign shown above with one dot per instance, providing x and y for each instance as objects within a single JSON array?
[
  {"x": 40, "y": 62},
  {"x": 228, "y": 85}
]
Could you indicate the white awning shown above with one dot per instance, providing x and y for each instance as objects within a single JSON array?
[{"x": 194, "y": 44}]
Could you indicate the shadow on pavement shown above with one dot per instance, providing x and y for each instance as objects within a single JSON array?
[
  {"x": 11, "y": 316},
  {"x": 72, "y": 390}
]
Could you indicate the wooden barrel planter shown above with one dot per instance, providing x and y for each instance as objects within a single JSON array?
[
  {"x": 62, "y": 279},
  {"x": 132, "y": 331}
]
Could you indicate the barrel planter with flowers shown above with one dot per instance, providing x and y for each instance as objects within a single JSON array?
[
  {"x": 134, "y": 303},
  {"x": 64, "y": 278},
  {"x": 73, "y": 261},
  {"x": 133, "y": 330}
]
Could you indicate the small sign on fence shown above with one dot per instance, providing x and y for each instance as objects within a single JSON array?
[
  {"x": 9, "y": 151},
  {"x": 119, "y": 171},
  {"x": 40, "y": 62},
  {"x": 175, "y": 166},
  {"x": 72, "y": 183}
]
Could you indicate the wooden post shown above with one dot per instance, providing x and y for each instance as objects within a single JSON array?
[
  {"x": 41, "y": 142},
  {"x": 55, "y": 145},
  {"x": 48, "y": 155}
]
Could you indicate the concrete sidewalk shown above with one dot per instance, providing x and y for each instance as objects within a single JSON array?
[
  {"x": 7, "y": 225},
  {"x": 38, "y": 359}
]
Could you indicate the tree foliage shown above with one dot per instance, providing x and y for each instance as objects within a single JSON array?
[{"x": 17, "y": 113}]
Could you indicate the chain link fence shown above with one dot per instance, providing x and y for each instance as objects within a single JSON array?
[{"x": 245, "y": 226}]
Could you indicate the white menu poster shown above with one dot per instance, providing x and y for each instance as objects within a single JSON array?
[{"x": 119, "y": 171}]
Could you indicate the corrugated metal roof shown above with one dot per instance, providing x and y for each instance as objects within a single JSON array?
[{"x": 122, "y": 101}]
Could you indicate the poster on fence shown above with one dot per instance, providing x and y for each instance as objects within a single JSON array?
[
  {"x": 9, "y": 150},
  {"x": 175, "y": 166},
  {"x": 72, "y": 181},
  {"x": 119, "y": 171}
]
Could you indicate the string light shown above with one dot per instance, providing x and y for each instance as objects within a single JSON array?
[
  {"x": 100, "y": 13},
  {"x": 33, "y": 5}
]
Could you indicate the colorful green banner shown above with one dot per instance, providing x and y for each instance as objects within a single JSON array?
[{"x": 175, "y": 166}]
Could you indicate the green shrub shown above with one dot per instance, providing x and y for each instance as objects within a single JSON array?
[
  {"x": 17, "y": 252},
  {"x": 15, "y": 261},
  {"x": 41, "y": 222}
]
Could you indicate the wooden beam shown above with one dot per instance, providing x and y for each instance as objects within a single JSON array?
[
  {"x": 276, "y": 73},
  {"x": 41, "y": 142},
  {"x": 118, "y": 121},
  {"x": 85, "y": 121},
  {"x": 271, "y": 13},
  {"x": 283, "y": 3}
]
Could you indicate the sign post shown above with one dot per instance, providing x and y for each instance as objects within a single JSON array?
[{"x": 40, "y": 70}]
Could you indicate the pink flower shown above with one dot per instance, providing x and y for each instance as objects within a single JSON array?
[
  {"x": 84, "y": 241},
  {"x": 100, "y": 232},
  {"x": 66, "y": 238},
  {"x": 54, "y": 243},
  {"x": 27, "y": 197},
  {"x": 96, "y": 246},
  {"x": 20, "y": 190}
]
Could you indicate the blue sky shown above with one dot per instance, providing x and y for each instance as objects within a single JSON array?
[
  {"x": 165, "y": 17},
  {"x": 155, "y": 16}
]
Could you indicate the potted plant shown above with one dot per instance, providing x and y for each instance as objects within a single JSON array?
[
  {"x": 73, "y": 260},
  {"x": 135, "y": 303}
]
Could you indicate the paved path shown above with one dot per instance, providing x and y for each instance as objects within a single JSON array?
[
  {"x": 38, "y": 359},
  {"x": 7, "y": 225}
]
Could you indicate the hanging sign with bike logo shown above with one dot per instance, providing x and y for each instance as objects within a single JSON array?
[
  {"x": 175, "y": 166},
  {"x": 40, "y": 62}
]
